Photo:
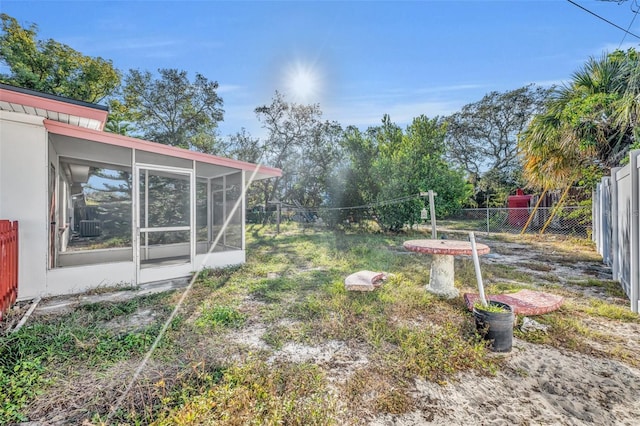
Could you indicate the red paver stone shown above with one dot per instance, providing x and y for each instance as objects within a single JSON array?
[
  {"x": 523, "y": 302},
  {"x": 444, "y": 247}
]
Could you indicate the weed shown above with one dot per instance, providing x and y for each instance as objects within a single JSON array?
[
  {"x": 106, "y": 311},
  {"x": 611, "y": 288},
  {"x": 256, "y": 393},
  {"x": 123, "y": 286},
  {"x": 603, "y": 309},
  {"x": 74, "y": 339},
  {"x": 491, "y": 307},
  {"x": 220, "y": 316},
  {"x": 272, "y": 290},
  {"x": 20, "y": 383},
  {"x": 536, "y": 266},
  {"x": 292, "y": 285},
  {"x": 216, "y": 278}
]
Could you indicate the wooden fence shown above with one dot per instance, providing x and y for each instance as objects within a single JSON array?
[{"x": 8, "y": 264}]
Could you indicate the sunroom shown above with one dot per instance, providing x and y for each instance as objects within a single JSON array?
[{"x": 117, "y": 210}]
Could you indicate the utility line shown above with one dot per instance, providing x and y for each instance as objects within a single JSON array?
[
  {"x": 604, "y": 19},
  {"x": 635, "y": 15},
  {"x": 364, "y": 206}
]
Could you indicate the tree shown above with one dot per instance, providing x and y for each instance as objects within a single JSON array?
[
  {"x": 587, "y": 126},
  {"x": 320, "y": 154},
  {"x": 244, "y": 147},
  {"x": 353, "y": 184},
  {"x": 303, "y": 146},
  {"x": 52, "y": 67},
  {"x": 172, "y": 110},
  {"x": 119, "y": 120},
  {"x": 483, "y": 137},
  {"x": 389, "y": 168}
]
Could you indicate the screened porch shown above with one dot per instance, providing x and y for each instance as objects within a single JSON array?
[{"x": 165, "y": 216}]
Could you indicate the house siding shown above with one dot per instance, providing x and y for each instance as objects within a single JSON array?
[{"x": 23, "y": 195}]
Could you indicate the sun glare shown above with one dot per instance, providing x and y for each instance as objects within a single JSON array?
[{"x": 303, "y": 83}]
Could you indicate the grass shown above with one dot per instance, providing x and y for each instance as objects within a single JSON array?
[
  {"x": 609, "y": 287},
  {"x": 220, "y": 316},
  {"x": 291, "y": 291},
  {"x": 31, "y": 357}
]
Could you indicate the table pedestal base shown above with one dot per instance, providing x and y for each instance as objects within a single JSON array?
[{"x": 441, "y": 277}]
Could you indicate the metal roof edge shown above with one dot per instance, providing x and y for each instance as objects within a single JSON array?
[
  {"x": 134, "y": 143},
  {"x": 53, "y": 97}
]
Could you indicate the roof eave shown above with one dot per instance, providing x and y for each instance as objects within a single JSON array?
[{"x": 134, "y": 143}]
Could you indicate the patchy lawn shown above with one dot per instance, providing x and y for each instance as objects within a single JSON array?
[{"x": 279, "y": 341}]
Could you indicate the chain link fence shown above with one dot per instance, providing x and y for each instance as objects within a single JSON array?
[{"x": 573, "y": 221}]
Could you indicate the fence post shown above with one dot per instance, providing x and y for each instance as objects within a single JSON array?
[
  {"x": 635, "y": 231},
  {"x": 432, "y": 210},
  {"x": 594, "y": 194},
  {"x": 487, "y": 204},
  {"x": 615, "y": 253},
  {"x": 595, "y": 216}
]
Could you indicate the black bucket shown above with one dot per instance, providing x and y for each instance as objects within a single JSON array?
[{"x": 496, "y": 327}]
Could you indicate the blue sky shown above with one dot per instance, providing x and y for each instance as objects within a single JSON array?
[{"x": 358, "y": 59}]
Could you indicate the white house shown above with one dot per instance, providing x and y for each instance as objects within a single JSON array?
[{"x": 100, "y": 209}]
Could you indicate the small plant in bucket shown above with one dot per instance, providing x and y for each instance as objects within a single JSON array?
[
  {"x": 490, "y": 307},
  {"x": 494, "y": 320}
]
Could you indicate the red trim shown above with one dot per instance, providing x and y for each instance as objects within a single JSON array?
[
  {"x": 54, "y": 105},
  {"x": 133, "y": 143}
]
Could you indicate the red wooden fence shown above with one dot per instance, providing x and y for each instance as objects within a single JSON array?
[{"x": 8, "y": 264}]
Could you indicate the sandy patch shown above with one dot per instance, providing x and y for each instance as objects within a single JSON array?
[{"x": 537, "y": 386}]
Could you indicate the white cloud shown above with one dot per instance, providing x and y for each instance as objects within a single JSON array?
[
  {"x": 229, "y": 88},
  {"x": 144, "y": 44}
]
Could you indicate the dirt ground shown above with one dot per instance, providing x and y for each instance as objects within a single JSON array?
[{"x": 537, "y": 385}]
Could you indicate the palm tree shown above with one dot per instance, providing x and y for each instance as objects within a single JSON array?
[
  {"x": 586, "y": 123},
  {"x": 627, "y": 108}
]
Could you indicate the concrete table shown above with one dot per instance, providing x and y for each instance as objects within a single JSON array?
[{"x": 442, "y": 274}]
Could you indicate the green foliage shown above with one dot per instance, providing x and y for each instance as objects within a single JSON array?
[
  {"x": 65, "y": 339},
  {"x": 483, "y": 137},
  {"x": 607, "y": 310},
  {"x": 255, "y": 393},
  {"x": 580, "y": 216},
  {"x": 302, "y": 145},
  {"x": 436, "y": 356},
  {"x": 588, "y": 126},
  {"x": 387, "y": 163},
  {"x": 52, "y": 67},
  {"x": 271, "y": 290},
  {"x": 491, "y": 307},
  {"x": 172, "y": 110},
  {"x": 216, "y": 278},
  {"x": 626, "y": 159},
  {"x": 20, "y": 383},
  {"x": 220, "y": 316},
  {"x": 393, "y": 336},
  {"x": 82, "y": 337}
]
